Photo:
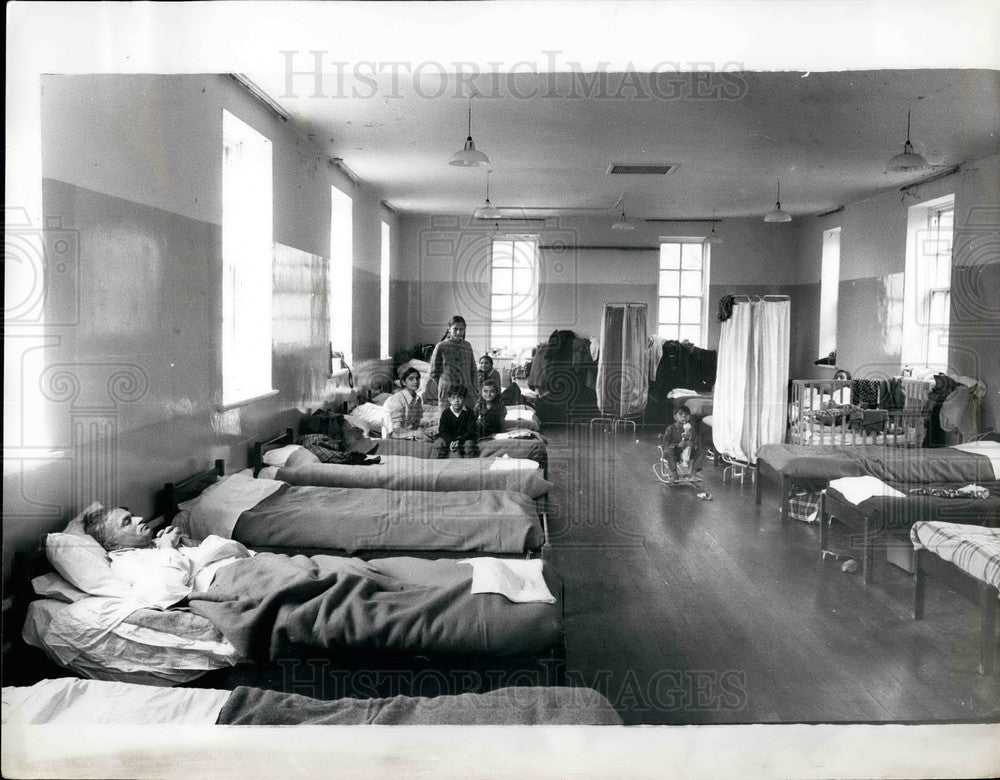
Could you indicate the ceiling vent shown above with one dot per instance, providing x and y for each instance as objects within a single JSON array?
[{"x": 641, "y": 169}]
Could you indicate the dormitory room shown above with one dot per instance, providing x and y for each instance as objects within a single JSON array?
[{"x": 339, "y": 396}]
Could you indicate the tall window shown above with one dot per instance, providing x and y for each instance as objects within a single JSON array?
[
  {"x": 341, "y": 272},
  {"x": 683, "y": 292},
  {"x": 384, "y": 292},
  {"x": 927, "y": 286},
  {"x": 828, "y": 292},
  {"x": 247, "y": 259},
  {"x": 514, "y": 294}
]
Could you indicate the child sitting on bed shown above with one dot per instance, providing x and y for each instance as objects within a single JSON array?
[
  {"x": 490, "y": 410},
  {"x": 457, "y": 427},
  {"x": 681, "y": 445},
  {"x": 404, "y": 408}
]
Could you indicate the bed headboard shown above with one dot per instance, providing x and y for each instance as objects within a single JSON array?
[
  {"x": 174, "y": 493},
  {"x": 258, "y": 448}
]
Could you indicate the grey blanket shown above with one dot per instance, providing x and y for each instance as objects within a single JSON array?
[
  {"x": 515, "y": 706},
  {"x": 398, "y": 472},
  {"x": 270, "y": 606},
  {"x": 352, "y": 520}
]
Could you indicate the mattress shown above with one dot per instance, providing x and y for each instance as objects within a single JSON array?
[
  {"x": 532, "y": 448},
  {"x": 397, "y": 472},
  {"x": 893, "y": 513},
  {"x": 352, "y": 520},
  {"x": 945, "y": 465},
  {"x": 134, "y": 653},
  {"x": 976, "y": 551},
  {"x": 72, "y": 702}
]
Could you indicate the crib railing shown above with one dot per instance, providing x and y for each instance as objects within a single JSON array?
[{"x": 816, "y": 417}]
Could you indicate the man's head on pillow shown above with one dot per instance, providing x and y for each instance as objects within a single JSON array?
[{"x": 117, "y": 529}]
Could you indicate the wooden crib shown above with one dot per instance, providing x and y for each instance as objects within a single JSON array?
[{"x": 819, "y": 414}]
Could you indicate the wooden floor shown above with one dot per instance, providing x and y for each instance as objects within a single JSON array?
[{"x": 688, "y": 611}]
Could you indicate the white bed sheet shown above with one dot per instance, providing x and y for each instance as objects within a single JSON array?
[
  {"x": 69, "y": 701},
  {"x": 131, "y": 653}
]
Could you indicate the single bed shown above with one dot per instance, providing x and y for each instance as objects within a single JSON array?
[
  {"x": 886, "y": 517},
  {"x": 266, "y": 608},
  {"x": 812, "y": 467},
  {"x": 272, "y": 515},
  {"x": 70, "y": 702},
  {"x": 280, "y": 458}
]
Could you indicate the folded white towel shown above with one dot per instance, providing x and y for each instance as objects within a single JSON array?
[
  {"x": 506, "y": 463},
  {"x": 519, "y": 580},
  {"x": 857, "y": 489}
]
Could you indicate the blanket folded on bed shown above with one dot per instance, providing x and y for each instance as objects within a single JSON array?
[
  {"x": 304, "y": 518},
  {"x": 514, "y": 706},
  {"x": 270, "y": 606}
]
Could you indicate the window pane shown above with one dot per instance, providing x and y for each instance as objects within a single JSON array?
[
  {"x": 502, "y": 281},
  {"x": 938, "y": 308},
  {"x": 668, "y": 332},
  {"x": 691, "y": 311},
  {"x": 670, "y": 255},
  {"x": 670, "y": 283},
  {"x": 669, "y": 309},
  {"x": 500, "y": 307},
  {"x": 523, "y": 308},
  {"x": 690, "y": 333},
  {"x": 522, "y": 281},
  {"x": 524, "y": 254},
  {"x": 503, "y": 254},
  {"x": 691, "y": 257},
  {"x": 691, "y": 282}
]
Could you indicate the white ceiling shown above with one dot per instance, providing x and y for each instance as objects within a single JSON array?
[{"x": 551, "y": 137}]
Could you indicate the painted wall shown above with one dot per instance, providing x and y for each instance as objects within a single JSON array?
[
  {"x": 445, "y": 262},
  {"x": 132, "y": 170},
  {"x": 873, "y": 260}
]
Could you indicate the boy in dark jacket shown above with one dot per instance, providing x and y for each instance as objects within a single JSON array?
[{"x": 457, "y": 427}]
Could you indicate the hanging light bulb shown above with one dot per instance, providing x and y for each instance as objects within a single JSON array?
[
  {"x": 908, "y": 160},
  {"x": 468, "y": 156},
  {"x": 623, "y": 223},
  {"x": 487, "y": 210},
  {"x": 778, "y": 214}
]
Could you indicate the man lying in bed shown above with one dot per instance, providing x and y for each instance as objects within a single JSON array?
[
  {"x": 163, "y": 566},
  {"x": 267, "y": 605}
]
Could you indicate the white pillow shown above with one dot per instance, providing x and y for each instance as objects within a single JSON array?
[
  {"x": 75, "y": 526},
  {"x": 279, "y": 455},
  {"x": 359, "y": 422},
  {"x": 372, "y": 414},
  {"x": 219, "y": 506},
  {"x": 53, "y": 586},
  {"x": 84, "y": 564}
]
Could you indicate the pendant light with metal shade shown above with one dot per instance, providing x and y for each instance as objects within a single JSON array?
[
  {"x": 623, "y": 223},
  {"x": 908, "y": 160},
  {"x": 469, "y": 156},
  {"x": 778, "y": 214},
  {"x": 487, "y": 210}
]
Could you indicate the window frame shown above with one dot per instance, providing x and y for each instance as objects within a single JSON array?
[
  {"x": 247, "y": 264},
  {"x": 665, "y": 265},
  {"x": 507, "y": 328},
  {"x": 927, "y": 276}
]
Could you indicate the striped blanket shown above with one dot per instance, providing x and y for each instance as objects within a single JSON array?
[{"x": 973, "y": 549}]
